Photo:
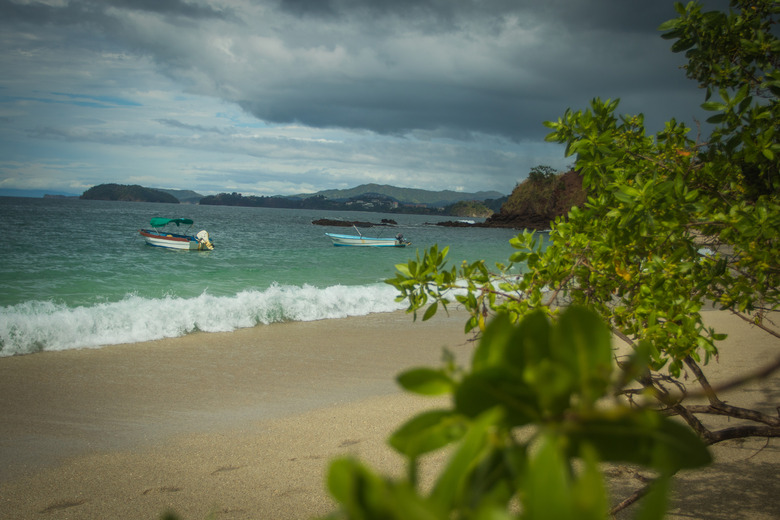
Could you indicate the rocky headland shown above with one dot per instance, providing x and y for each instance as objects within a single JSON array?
[{"x": 535, "y": 203}]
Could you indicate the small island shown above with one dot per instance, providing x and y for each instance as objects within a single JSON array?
[{"x": 131, "y": 193}]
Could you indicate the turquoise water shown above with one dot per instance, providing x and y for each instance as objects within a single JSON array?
[{"x": 76, "y": 274}]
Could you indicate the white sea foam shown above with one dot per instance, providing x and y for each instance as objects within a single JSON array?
[{"x": 46, "y": 326}]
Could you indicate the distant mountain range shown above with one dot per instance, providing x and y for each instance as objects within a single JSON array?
[
  {"x": 34, "y": 194},
  {"x": 184, "y": 196},
  {"x": 404, "y": 195}
]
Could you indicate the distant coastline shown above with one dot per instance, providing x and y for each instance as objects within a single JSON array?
[
  {"x": 49, "y": 196},
  {"x": 534, "y": 203},
  {"x": 386, "y": 199},
  {"x": 37, "y": 194}
]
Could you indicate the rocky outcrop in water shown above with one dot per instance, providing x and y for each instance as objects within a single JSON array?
[{"x": 350, "y": 223}]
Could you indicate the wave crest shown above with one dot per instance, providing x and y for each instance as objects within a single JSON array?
[{"x": 46, "y": 326}]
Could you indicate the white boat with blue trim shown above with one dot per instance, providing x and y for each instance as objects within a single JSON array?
[
  {"x": 361, "y": 241},
  {"x": 161, "y": 235}
]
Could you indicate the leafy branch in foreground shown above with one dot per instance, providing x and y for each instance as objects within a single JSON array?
[
  {"x": 671, "y": 226},
  {"x": 528, "y": 426}
]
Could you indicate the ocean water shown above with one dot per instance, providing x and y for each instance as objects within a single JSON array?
[{"x": 76, "y": 274}]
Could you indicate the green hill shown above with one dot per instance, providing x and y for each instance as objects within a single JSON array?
[
  {"x": 136, "y": 193},
  {"x": 184, "y": 196},
  {"x": 133, "y": 193},
  {"x": 405, "y": 195}
]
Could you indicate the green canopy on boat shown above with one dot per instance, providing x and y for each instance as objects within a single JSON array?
[{"x": 159, "y": 222}]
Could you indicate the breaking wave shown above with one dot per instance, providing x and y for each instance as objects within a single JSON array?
[{"x": 38, "y": 326}]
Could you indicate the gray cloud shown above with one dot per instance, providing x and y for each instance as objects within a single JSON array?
[{"x": 432, "y": 76}]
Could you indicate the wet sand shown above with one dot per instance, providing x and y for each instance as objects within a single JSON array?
[{"x": 244, "y": 424}]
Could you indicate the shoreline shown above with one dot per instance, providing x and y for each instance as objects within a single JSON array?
[
  {"x": 244, "y": 424},
  {"x": 126, "y": 395}
]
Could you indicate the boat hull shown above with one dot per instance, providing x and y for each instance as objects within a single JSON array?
[
  {"x": 172, "y": 240},
  {"x": 360, "y": 241}
]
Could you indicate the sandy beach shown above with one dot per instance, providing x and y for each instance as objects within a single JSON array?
[{"x": 243, "y": 424}]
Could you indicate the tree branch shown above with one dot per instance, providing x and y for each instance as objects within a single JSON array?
[
  {"x": 702, "y": 380},
  {"x": 736, "y": 412},
  {"x": 741, "y": 432},
  {"x": 634, "y": 497},
  {"x": 759, "y": 325},
  {"x": 761, "y": 373}
]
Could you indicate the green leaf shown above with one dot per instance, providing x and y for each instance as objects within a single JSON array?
[
  {"x": 340, "y": 478},
  {"x": 431, "y": 311},
  {"x": 668, "y": 26},
  {"x": 364, "y": 495},
  {"x": 473, "y": 448},
  {"x": 530, "y": 342},
  {"x": 716, "y": 119},
  {"x": 499, "y": 387},
  {"x": 640, "y": 437},
  {"x": 355, "y": 487},
  {"x": 589, "y": 491},
  {"x": 493, "y": 482},
  {"x": 490, "y": 351},
  {"x": 403, "y": 269},
  {"x": 426, "y": 381},
  {"x": 581, "y": 341},
  {"x": 471, "y": 324},
  {"x": 624, "y": 197},
  {"x": 713, "y": 106},
  {"x": 548, "y": 493},
  {"x": 427, "y": 432},
  {"x": 552, "y": 384}
]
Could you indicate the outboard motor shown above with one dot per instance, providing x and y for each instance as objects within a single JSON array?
[{"x": 204, "y": 240}]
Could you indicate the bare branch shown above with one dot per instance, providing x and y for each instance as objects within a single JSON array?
[
  {"x": 702, "y": 380},
  {"x": 735, "y": 412},
  {"x": 741, "y": 432},
  {"x": 759, "y": 325}
]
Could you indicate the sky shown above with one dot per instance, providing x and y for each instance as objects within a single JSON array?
[{"x": 281, "y": 97}]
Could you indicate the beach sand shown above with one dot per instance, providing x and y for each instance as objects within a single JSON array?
[{"x": 243, "y": 424}]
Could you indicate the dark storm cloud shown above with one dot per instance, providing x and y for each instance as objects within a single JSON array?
[
  {"x": 573, "y": 51},
  {"x": 86, "y": 10},
  {"x": 287, "y": 96},
  {"x": 577, "y": 50},
  {"x": 393, "y": 67}
]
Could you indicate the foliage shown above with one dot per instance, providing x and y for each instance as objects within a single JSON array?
[
  {"x": 670, "y": 226},
  {"x": 545, "y": 193},
  {"x": 468, "y": 208},
  {"x": 528, "y": 423},
  {"x": 736, "y": 55},
  {"x": 541, "y": 174}
]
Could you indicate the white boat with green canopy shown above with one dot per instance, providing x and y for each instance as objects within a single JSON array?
[{"x": 162, "y": 235}]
